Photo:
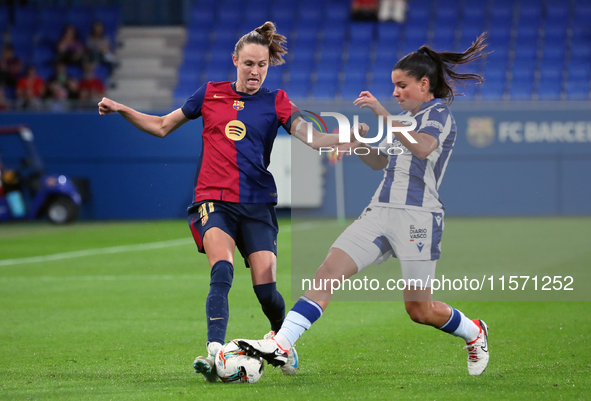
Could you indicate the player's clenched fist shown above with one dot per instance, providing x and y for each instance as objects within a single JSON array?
[{"x": 107, "y": 106}]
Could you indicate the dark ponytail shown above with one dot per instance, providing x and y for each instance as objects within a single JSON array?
[
  {"x": 439, "y": 67},
  {"x": 265, "y": 35}
]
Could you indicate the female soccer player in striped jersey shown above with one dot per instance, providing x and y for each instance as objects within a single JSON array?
[
  {"x": 405, "y": 216},
  {"x": 235, "y": 194}
]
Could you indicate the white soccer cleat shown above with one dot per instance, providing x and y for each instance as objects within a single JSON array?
[
  {"x": 269, "y": 350},
  {"x": 291, "y": 366},
  {"x": 206, "y": 365},
  {"x": 478, "y": 350}
]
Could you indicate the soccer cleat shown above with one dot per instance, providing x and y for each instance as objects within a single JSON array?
[
  {"x": 206, "y": 365},
  {"x": 269, "y": 350},
  {"x": 291, "y": 366},
  {"x": 478, "y": 350}
]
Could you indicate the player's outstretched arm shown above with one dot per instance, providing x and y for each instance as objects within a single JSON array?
[
  {"x": 374, "y": 159},
  {"x": 299, "y": 129},
  {"x": 153, "y": 125}
]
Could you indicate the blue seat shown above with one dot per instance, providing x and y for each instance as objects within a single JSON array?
[
  {"x": 555, "y": 30},
  {"x": 582, "y": 11},
  {"x": 526, "y": 54},
  {"x": 361, "y": 32},
  {"x": 82, "y": 18},
  {"x": 336, "y": 12},
  {"x": 495, "y": 72},
  {"x": 389, "y": 33},
  {"x": 298, "y": 91},
  {"x": 307, "y": 37},
  {"x": 468, "y": 92},
  {"x": 229, "y": 17},
  {"x": 311, "y": 14},
  {"x": 43, "y": 56},
  {"x": 446, "y": 14},
  {"x": 201, "y": 18},
  {"x": 419, "y": 13},
  {"x": 580, "y": 51},
  {"x": 581, "y": 31},
  {"x": 492, "y": 90},
  {"x": 474, "y": 12},
  {"x": 26, "y": 16},
  {"x": 350, "y": 92},
  {"x": 576, "y": 90},
  {"x": 299, "y": 76},
  {"x": 579, "y": 70},
  {"x": 255, "y": 16},
  {"x": 381, "y": 91},
  {"x": 330, "y": 56},
  {"x": 416, "y": 34},
  {"x": 327, "y": 76},
  {"x": 551, "y": 52},
  {"x": 355, "y": 75},
  {"x": 334, "y": 36},
  {"x": 501, "y": 15},
  {"x": 217, "y": 74},
  {"x": 557, "y": 10},
  {"x": 325, "y": 91},
  {"x": 359, "y": 54},
  {"x": 529, "y": 13},
  {"x": 527, "y": 35},
  {"x": 220, "y": 58},
  {"x": 110, "y": 16},
  {"x": 273, "y": 82},
  {"x": 549, "y": 91},
  {"x": 303, "y": 55},
  {"x": 224, "y": 37}
]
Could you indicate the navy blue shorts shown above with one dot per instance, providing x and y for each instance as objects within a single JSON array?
[{"x": 253, "y": 226}]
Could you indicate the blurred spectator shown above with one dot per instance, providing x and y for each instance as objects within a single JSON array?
[
  {"x": 5, "y": 103},
  {"x": 70, "y": 49},
  {"x": 11, "y": 67},
  {"x": 394, "y": 10},
  {"x": 29, "y": 90},
  {"x": 364, "y": 10},
  {"x": 98, "y": 47},
  {"x": 92, "y": 89},
  {"x": 61, "y": 78}
]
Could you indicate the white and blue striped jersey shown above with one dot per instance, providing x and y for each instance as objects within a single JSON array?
[{"x": 412, "y": 183}]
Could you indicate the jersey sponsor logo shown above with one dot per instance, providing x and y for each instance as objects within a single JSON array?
[
  {"x": 417, "y": 234},
  {"x": 435, "y": 124},
  {"x": 235, "y": 130},
  {"x": 216, "y": 96},
  {"x": 238, "y": 105},
  {"x": 480, "y": 132}
]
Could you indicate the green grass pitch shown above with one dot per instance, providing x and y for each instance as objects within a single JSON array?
[{"x": 106, "y": 319}]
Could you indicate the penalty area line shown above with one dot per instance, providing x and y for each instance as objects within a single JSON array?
[{"x": 96, "y": 251}]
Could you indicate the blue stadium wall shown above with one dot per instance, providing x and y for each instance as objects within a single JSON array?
[{"x": 508, "y": 160}]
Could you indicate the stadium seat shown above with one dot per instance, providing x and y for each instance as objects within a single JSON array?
[
  {"x": 381, "y": 91},
  {"x": 358, "y": 54},
  {"x": 302, "y": 54},
  {"x": 311, "y": 14},
  {"x": 446, "y": 14},
  {"x": 350, "y": 92},
  {"x": 418, "y": 13},
  {"x": 273, "y": 81},
  {"x": 525, "y": 54},
  {"x": 355, "y": 76},
  {"x": 297, "y": 91},
  {"x": 551, "y": 91},
  {"x": 416, "y": 34},
  {"x": 215, "y": 74},
  {"x": 577, "y": 90},
  {"x": 327, "y": 76},
  {"x": 361, "y": 32},
  {"x": 527, "y": 35},
  {"x": 307, "y": 36},
  {"x": 492, "y": 90},
  {"x": 331, "y": 55},
  {"x": 229, "y": 17},
  {"x": 579, "y": 70},
  {"x": 82, "y": 18},
  {"x": 580, "y": 50},
  {"x": 474, "y": 12},
  {"x": 466, "y": 93},
  {"x": 325, "y": 91},
  {"x": 299, "y": 76},
  {"x": 336, "y": 11},
  {"x": 443, "y": 38},
  {"x": 389, "y": 33},
  {"x": 334, "y": 36},
  {"x": 26, "y": 17}
]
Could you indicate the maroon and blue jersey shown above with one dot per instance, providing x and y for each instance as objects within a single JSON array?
[{"x": 237, "y": 139}]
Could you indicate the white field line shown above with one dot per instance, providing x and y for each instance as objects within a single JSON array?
[
  {"x": 96, "y": 251},
  {"x": 132, "y": 248}
]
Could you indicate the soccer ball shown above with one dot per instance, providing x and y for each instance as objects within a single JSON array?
[{"x": 234, "y": 366}]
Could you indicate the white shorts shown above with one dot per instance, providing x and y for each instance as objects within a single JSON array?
[{"x": 382, "y": 232}]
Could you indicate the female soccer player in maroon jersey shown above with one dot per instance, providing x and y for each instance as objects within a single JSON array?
[{"x": 234, "y": 195}]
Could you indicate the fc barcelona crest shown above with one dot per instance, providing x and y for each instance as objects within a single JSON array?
[
  {"x": 238, "y": 105},
  {"x": 481, "y": 131}
]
